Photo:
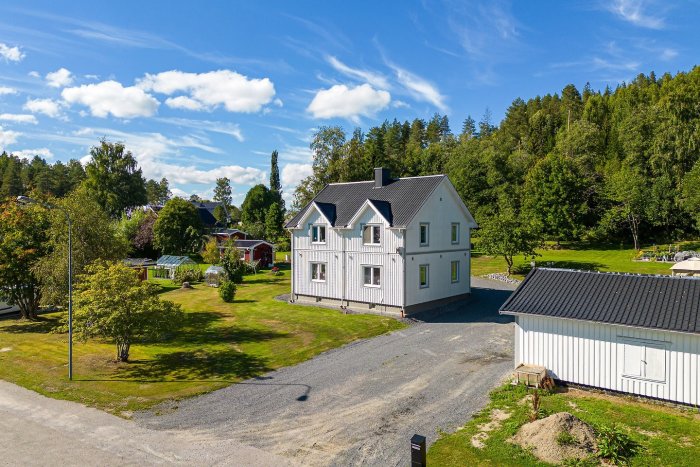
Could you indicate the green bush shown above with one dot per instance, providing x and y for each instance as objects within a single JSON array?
[
  {"x": 233, "y": 265},
  {"x": 615, "y": 446},
  {"x": 188, "y": 274},
  {"x": 227, "y": 291}
]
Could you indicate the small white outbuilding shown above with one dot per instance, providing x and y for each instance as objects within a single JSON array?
[
  {"x": 638, "y": 334},
  {"x": 689, "y": 267}
]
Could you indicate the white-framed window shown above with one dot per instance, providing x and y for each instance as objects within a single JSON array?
[
  {"x": 318, "y": 234},
  {"x": 454, "y": 271},
  {"x": 454, "y": 233},
  {"x": 424, "y": 276},
  {"x": 371, "y": 234},
  {"x": 318, "y": 272},
  {"x": 372, "y": 276},
  {"x": 644, "y": 359},
  {"x": 424, "y": 233}
]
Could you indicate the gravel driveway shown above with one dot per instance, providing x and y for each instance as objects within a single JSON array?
[{"x": 360, "y": 404}]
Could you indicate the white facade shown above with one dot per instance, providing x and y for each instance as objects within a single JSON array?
[
  {"x": 398, "y": 255},
  {"x": 646, "y": 362}
]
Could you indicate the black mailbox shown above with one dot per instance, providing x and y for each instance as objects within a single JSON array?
[{"x": 418, "y": 451}]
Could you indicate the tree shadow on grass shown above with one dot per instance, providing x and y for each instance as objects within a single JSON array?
[
  {"x": 194, "y": 365},
  {"x": 42, "y": 325}
]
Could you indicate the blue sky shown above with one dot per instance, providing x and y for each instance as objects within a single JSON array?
[{"x": 200, "y": 91}]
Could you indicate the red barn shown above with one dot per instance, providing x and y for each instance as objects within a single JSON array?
[{"x": 256, "y": 250}]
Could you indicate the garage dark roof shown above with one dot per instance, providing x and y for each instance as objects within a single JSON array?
[
  {"x": 399, "y": 200},
  {"x": 248, "y": 243},
  {"x": 645, "y": 301}
]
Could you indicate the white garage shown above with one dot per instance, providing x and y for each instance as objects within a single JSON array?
[{"x": 638, "y": 334}]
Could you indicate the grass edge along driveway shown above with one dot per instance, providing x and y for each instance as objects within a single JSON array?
[{"x": 220, "y": 344}]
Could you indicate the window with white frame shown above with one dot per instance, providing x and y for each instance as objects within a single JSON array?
[
  {"x": 318, "y": 272},
  {"x": 318, "y": 234},
  {"x": 454, "y": 271},
  {"x": 371, "y": 234},
  {"x": 644, "y": 359},
  {"x": 454, "y": 233},
  {"x": 423, "y": 276},
  {"x": 424, "y": 234},
  {"x": 372, "y": 276}
]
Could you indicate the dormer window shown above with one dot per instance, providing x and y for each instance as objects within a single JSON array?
[
  {"x": 371, "y": 234},
  {"x": 318, "y": 234}
]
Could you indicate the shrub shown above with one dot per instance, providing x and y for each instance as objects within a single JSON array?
[
  {"x": 233, "y": 265},
  {"x": 564, "y": 438},
  {"x": 615, "y": 446},
  {"x": 188, "y": 274},
  {"x": 210, "y": 253},
  {"x": 275, "y": 271},
  {"x": 536, "y": 402},
  {"x": 227, "y": 291}
]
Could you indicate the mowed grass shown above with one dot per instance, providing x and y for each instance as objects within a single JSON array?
[
  {"x": 605, "y": 258},
  {"x": 666, "y": 435},
  {"x": 220, "y": 344}
]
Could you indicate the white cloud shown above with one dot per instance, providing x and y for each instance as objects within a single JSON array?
[
  {"x": 375, "y": 79},
  {"x": 47, "y": 107},
  {"x": 93, "y": 77},
  {"x": 420, "y": 88},
  {"x": 8, "y": 137},
  {"x": 110, "y": 97},
  {"x": 230, "y": 129},
  {"x": 59, "y": 78},
  {"x": 634, "y": 11},
  {"x": 292, "y": 174},
  {"x": 342, "y": 101},
  {"x": 233, "y": 91},
  {"x": 184, "y": 102},
  {"x": 19, "y": 118},
  {"x": 12, "y": 54},
  {"x": 30, "y": 153},
  {"x": 5, "y": 90},
  {"x": 668, "y": 54},
  {"x": 34, "y": 74}
]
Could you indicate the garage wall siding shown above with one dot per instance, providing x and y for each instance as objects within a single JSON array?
[{"x": 593, "y": 354}]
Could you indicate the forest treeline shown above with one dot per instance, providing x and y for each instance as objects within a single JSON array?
[{"x": 606, "y": 165}]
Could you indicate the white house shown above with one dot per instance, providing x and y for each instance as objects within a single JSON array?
[
  {"x": 395, "y": 245},
  {"x": 638, "y": 334}
]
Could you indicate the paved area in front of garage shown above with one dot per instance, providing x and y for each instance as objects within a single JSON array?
[{"x": 360, "y": 404}]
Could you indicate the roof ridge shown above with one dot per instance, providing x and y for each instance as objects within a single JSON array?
[{"x": 618, "y": 273}]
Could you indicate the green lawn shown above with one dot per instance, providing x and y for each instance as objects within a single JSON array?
[
  {"x": 220, "y": 344},
  {"x": 667, "y": 436},
  {"x": 575, "y": 256}
]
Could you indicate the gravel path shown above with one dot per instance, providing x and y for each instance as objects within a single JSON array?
[{"x": 360, "y": 404}]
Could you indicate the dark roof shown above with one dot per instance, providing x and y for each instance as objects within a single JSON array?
[
  {"x": 248, "y": 243},
  {"x": 205, "y": 209},
  {"x": 645, "y": 301},
  {"x": 398, "y": 201}
]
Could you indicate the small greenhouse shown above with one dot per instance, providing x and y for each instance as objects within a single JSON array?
[
  {"x": 214, "y": 275},
  {"x": 167, "y": 264}
]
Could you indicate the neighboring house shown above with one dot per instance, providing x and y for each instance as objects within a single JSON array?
[
  {"x": 394, "y": 245},
  {"x": 224, "y": 235},
  {"x": 637, "y": 334},
  {"x": 167, "y": 264},
  {"x": 206, "y": 209},
  {"x": 256, "y": 250}
]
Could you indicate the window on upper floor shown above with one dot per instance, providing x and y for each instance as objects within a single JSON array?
[
  {"x": 454, "y": 233},
  {"x": 424, "y": 234},
  {"x": 318, "y": 234},
  {"x": 372, "y": 234},
  {"x": 318, "y": 272},
  {"x": 372, "y": 276},
  {"x": 423, "y": 273},
  {"x": 454, "y": 271}
]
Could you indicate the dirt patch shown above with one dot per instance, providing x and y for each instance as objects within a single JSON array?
[
  {"x": 545, "y": 439},
  {"x": 497, "y": 417},
  {"x": 5, "y": 349}
]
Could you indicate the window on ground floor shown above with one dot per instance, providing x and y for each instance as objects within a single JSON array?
[
  {"x": 454, "y": 272},
  {"x": 372, "y": 276},
  {"x": 644, "y": 359},
  {"x": 318, "y": 272},
  {"x": 424, "y": 272}
]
